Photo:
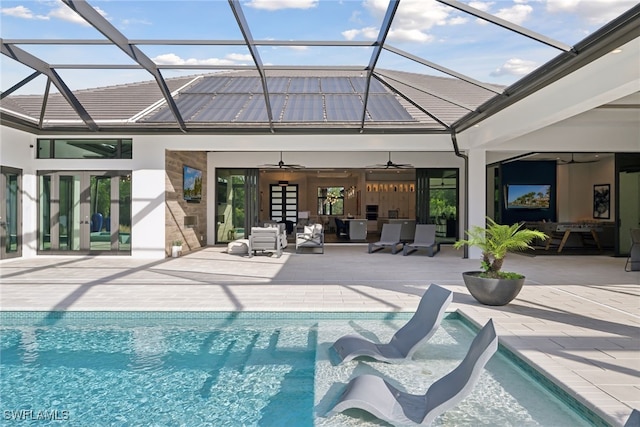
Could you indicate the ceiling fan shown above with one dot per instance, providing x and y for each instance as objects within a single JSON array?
[
  {"x": 391, "y": 164},
  {"x": 573, "y": 161},
  {"x": 282, "y": 165}
]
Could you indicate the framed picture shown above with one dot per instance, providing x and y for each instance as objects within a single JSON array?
[
  {"x": 191, "y": 184},
  {"x": 601, "y": 201}
]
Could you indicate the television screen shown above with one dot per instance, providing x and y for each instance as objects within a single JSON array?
[
  {"x": 528, "y": 196},
  {"x": 191, "y": 184}
]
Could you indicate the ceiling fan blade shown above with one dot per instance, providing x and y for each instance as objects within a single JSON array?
[
  {"x": 573, "y": 161},
  {"x": 281, "y": 165},
  {"x": 390, "y": 165}
]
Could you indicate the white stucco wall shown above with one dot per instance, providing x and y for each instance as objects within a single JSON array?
[{"x": 17, "y": 151}]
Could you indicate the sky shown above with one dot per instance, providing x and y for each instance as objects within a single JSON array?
[{"x": 423, "y": 28}]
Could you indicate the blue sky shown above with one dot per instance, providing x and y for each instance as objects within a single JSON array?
[{"x": 423, "y": 28}]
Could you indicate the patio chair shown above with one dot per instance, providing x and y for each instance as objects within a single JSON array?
[
  {"x": 267, "y": 239},
  {"x": 312, "y": 237},
  {"x": 424, "y": 239},
  {"x": 389, "y": 238},
  {"x": 419, "y": 329},
  {"x": 375, "y": 395}
]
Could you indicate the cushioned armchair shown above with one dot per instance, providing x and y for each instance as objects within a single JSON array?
[
  {"x": 267, "y": 239},
  {"x": 311, "y": 237}
]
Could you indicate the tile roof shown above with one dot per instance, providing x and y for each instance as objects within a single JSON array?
[{"x": 300, "y": 98}]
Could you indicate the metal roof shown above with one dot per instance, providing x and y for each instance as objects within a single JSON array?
[{"x": 372, "y": 95}]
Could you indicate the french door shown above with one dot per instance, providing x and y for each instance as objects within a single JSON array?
[
  {"x": 10, "y": 212},
  {"x": 84, "y": 212}
]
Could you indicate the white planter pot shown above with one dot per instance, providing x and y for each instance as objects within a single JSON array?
[{"x": 176, "y": 251}]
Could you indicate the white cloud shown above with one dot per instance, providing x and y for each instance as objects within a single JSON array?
[
  {"x": 241, "y": 57},
  {"x": 594, "y": 12},
  {"x": 412, "y": 21},
  {"x": 410, "y": 35},
  {"x": 282, "y": 4},
  {"x": 481, "y": 5},
  {"x": 516, "y": 14},
  {"x": 369, "y": 33},
  {"x": 515, "y": 67},
  {"x": 21, "y": 12},
  {"x": 58, "y": 11},
  {"x": 458, "y": 20},
  {"x": 173, "y": 59},
  {"x": 65, "y": 13}
]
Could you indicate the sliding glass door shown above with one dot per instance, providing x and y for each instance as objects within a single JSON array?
[
  {"x": 438, "y": 200},
  {"x": 84, "y": 212},
  {"x": 10, "y": 212},
  {"x": 236, "y": 203},
  {"x": 627, "y": 199}
]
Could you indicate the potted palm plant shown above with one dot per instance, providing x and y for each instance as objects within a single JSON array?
[{"x": 492, "y": 286}]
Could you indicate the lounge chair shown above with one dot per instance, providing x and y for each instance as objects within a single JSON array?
[
  {"x": 634, "y": 419},
  {"x": 311, "y": 237},
  {"x": 389, "y": 238},
  {"x": 424, "y": 239},
  {"x": 419, "y": 329},
  {"x": 376, "y": 396}
]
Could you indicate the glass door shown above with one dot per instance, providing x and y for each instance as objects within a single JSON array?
[
  {"x": 84, "y": 212},
  {"x": 10, "y": 212},
  {"x": 627, "y": 199},
  {"x": 236, "y": 203},
  {"x": 437, "y": 201}
]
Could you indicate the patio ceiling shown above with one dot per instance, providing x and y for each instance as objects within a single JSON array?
[{"x": 266, "y": 66}]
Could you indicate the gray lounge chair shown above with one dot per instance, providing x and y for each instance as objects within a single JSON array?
[
  {"x": 424, "y": 239},
  {"x": 419, "y": 329},
  {"x": 376, "y": 396},
  {"x": 389, "y": 238},
  {"x": 634, "y": 419}
]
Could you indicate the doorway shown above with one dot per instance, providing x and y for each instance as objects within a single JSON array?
[
  {"x": 438, "y": 200},
  {"x": 236, "y": 203},
  {"x": 10, "y": 212},
  {"x": 628, "y": 199},
  {"x": 84, "y": 212}
]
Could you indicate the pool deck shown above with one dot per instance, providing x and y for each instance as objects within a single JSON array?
[{"x": 577, "y": 319}]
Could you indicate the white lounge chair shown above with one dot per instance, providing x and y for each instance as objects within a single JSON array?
[
  {"x": 424, "y": 239},
  {"x": 419, "y": 329},
  {"x": 376, "y": 396},
  {"x": 389, "y": 238}
]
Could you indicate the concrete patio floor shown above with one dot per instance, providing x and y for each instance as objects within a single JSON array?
[{"x": 577, "y": 319}]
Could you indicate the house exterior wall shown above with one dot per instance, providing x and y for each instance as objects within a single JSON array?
[
  {"x": 149, "y": 166},
  {"x": 178, "y": 212}
]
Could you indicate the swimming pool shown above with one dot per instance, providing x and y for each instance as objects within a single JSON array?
[{"x": 232, "y": 369}]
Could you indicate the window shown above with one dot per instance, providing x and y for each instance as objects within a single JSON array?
[
  {"x": 331, "y": 201},
  {"x": 84, "y": 149}
]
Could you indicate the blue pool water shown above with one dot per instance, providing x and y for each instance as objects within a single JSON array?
[{"x": 233, "y": 369}]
